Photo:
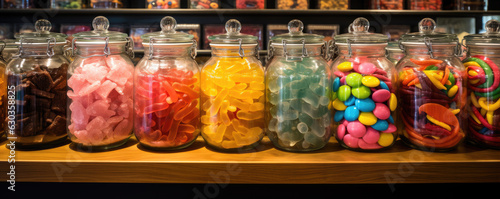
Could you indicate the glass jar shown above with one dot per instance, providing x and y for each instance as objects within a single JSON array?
[
  {"x": 387, "y": 4},
  {"x": 393, "y": 52},
  {"x": 363, "y": 95},
  {"x": 425, "y": 4},
  {"x": 232, "y": 87},
  {"x": 204, "y": 4},
  {"x": 10, "y": 50},
  {"x": 292, "y": 4},
  {"x": 66, "y": 4},
  {"x": 106, "y": 4},
  {"x": 250, "y": 4},
  {"x": 100, "y": 82},
  {"x": 18, "y": 4},
  {"x": 473, "y": 5},
  {"x": 3, "y": 92},
  {"x": 297, "y": 91},
  {"x": 333, "y": 4},
  {"x": 162, "y": 4},
  {"x": 37, "y": 80},
  {"x": 430, "y": 82},
  {"x": 167, "y": 90},
  {"x": 482, "y": 66}
]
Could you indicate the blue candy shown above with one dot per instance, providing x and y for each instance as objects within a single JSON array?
[
  {"x": 336, "y": 84},
  {"x": 383, "y": 85},
  {"x": 391, "y": 120},
  {"x": 381, "y": 125},
  {"x": 339, "y": 115},
  {"x": 350, "y": 101},
  {"x": 365, "y": 105},
  {"x": 351, "y": 113}
]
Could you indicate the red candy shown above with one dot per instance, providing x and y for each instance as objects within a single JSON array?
[{"x": 167, "y": 108}]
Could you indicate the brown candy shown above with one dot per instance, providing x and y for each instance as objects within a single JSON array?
[{"x": 40, "y": 102}]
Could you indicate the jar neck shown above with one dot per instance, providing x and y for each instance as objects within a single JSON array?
[
  {"x": 41, "y": 50},
  {"x": 491, "y": 51},
  {"x": 159, "y": 51},
  {"x": 233, "y": 51},
  {"x": 310, "y": 51},
  {"x": 362, "y": 50},
  {"x": 99, "y": 50},
  {"x": 437, "y": 50}
]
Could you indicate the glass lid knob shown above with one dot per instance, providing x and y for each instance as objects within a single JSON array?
[
  {"x": 168, "y": 24},
  {"x": 233, "y": 26},
  {"x": 350, "y": 29},
  {"x": 426, "y": 25},
  {"x": 361, "y": 24},
  {"x": 492, "y": 26},
  {"x": 100, "y": 24},
  {"x": 295, "y": 26},
  {"x": 43, "y": 26}
]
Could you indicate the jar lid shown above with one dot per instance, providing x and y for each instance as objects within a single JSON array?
[
  {"x": 296, "y": 36},
  {"x": 167, "y": 34},
  {"x": 426, "y": 33},
  {"x": 360, "y": 35},
  {"x": 490, "y": 37},
  {"x": 233, "y": 35},
  {"x": 42, "y": 34},
  {"x": 100, "y": 25}
]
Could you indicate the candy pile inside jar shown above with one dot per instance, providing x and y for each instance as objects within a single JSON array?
[
  {"x": 333, "y": 4},
  {"x": 232, "y": 115},
  {"x": 387, "y": 4},
  {"x": 101, "y": 94},
  {"x": 299, "y": 105},
  {"x": 431, "y": 90},
  {"x": 167, "y": 107},
  {"x": 162, "y": 4},
  {"x": 204, "y": 4},
  {"x": 364, "y": 103},
  {"x": 484, "y": 84},
  {"x": 250, "y": 4},
  {"x": 41, "y": 103},
  {"x": 425, "y": 4},
  {"x": 292, "y": 4}
]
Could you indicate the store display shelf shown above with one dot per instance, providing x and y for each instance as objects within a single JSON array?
[
  {"x": 132, "y": 163},
  {"x": 249, "y": 11},
  {"x": 140, "y": 11}
]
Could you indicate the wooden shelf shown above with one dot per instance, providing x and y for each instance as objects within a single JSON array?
[{"x": 267, "y": 165}]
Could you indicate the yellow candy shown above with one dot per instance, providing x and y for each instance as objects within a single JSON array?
[
  {"x": 455, "y": 111},
  {"x": 386, "y": 139},
  {"x": 370, "y": 81},
  {"x": 453, "y": 90},
  {"x": 439, "y": 123},
  {"x": 257, "y": 107},
  {"x": 472, "y": 73},
  {"x": 367, "y": 118},
  {"x": 472, "y": 81},
  {"x": 433, "y": 79},
  {"x": 489, "y": 116},
  {"x": 249, "y": 115},
  {"x": 338, "y": 105},
  {"x": 393, "y": 102},
  {"x": 223, "y": 113},
  {"x": 345, "y": 66},
  {"x": 217, "y": 103},
  {"x": 257, "y": 86},
  {"x": 473, "y": 99},
  {"x": 488, "y": 106},
  {"x": 475, "y": 118}
]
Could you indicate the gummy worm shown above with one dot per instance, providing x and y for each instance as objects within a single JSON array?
[{"x": 436, "y": 122}]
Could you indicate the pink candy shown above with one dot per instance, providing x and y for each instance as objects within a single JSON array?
[
  {"x": 366, "y": 68},
  {"x": 101, "y": 93}
]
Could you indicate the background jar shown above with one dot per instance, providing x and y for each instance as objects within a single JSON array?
[
  {"x": 394, "y": 52},
  {"x": 232, "y": 92},
  {"x": 37, "y": 78},
  {"x": 167, "y": 90},
  {"x": 363, "y": 94},
  {"x": 483, "y": 74},
  {"x": 100, "y": 82},
  {"x": 431, "y": 85}
]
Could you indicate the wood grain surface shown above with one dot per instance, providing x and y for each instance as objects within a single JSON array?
[{"x": 132, "y": 163}]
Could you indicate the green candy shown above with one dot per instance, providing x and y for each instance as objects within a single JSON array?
[
  {"x": 354, "y": 80},
  {"x": 361, "y": 92},
  {"x": 431, "y": 67},
  {"x": 344, "y": 93}
]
